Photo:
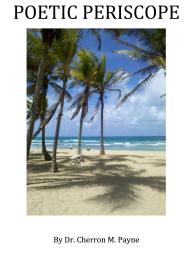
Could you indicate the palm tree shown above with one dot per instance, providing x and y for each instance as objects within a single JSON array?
[
  {"x": 150, "y": 49},
  {"x": 33, "y": 59},
  {"x": 42, "y": 107},
  {"x": 104, "y": 80},
  {"x": 65, "y": 50},
  {"x": 45, "y": 153},
  {"x": 34, "y": 49},
  {"x": 83, "y": 73},
  {"x": 48, "y": 36}
]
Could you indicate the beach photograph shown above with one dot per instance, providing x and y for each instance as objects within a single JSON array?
[{"x": 96, "y": 121}]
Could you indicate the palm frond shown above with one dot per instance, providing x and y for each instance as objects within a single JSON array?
[
  {"x": 145, "y": 81},
  {"x": 96, "y": 109},
  {"x": 96, "y": 33},
  {"x": 65, "y": 48},
  {"x": 116, "y": 77},
  {"x": 67, "y": 95},
  {"x": 150, "y": 47},
  {"x": 49, "y": 114},
  {"x": 147, "y": 70},
  {"x": 34, "y": 46},
  {"x": 76, "y": 111},
  {"x": 77, "y": 104},
  {"x": 72, "y": 84},
  {"x": 57, "y": 88},
  {"x": 136, "y": 48},
  {"x": 101, "y": 70}
]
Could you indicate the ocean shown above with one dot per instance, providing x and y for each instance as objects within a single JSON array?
[{"x": 141, "y": 143}]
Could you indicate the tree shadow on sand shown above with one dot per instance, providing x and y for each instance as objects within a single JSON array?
[{"x": 121, "y": 183}]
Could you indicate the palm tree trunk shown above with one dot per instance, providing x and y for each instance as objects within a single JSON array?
[
  {"x": 38, "y": 89},
  {"x": 79, "y": 149},
  {"x": 45, "y": 153},
  {"x": 102, "y": 149},
  {"x": 54, "y": 163}
]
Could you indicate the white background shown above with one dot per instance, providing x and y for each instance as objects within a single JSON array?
[{"x": 164, "y": 238}]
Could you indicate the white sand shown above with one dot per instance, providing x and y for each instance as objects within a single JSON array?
[{"x": 119, "y": 183}]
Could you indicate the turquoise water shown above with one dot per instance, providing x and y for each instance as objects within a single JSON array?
[{"x": 141, "y": 143}]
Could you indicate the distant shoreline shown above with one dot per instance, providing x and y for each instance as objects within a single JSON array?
[
  {"x": 104, "y": 136},
  {"x": 139, "y": 143}
]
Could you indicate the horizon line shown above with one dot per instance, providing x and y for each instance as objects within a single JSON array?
[{"x": 110, "y": 136}]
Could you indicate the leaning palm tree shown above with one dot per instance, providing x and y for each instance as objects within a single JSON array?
[
  {"x": 150, "y": 50},
  {"x": 48, "y": 36},
  {"x": 34, "y": 50},
  {"x": 83, "y": 73},
  {"x": 42, "y": 107},
  {"x": 104, "y": 82},
  {"x": 65, "y": 50},
  {"x": 32, "y": 66}
]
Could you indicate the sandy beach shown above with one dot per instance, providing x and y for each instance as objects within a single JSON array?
[{"x": 118, "y": 183}]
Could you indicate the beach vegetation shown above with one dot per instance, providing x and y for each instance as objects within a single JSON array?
[
  {"x": 150, "y": 49},
  {"x": 48, "y": 36}
]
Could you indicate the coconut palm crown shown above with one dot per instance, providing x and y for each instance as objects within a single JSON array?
[{"x": 150, "y": 49}]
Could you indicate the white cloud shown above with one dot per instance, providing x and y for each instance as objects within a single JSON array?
[{"x": 142, "y": 114}]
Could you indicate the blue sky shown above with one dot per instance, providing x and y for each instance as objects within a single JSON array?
[{"x": 142, "y": 114}]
